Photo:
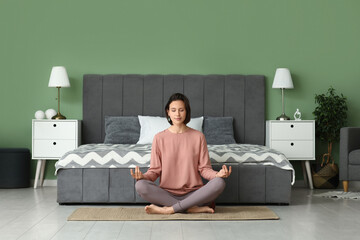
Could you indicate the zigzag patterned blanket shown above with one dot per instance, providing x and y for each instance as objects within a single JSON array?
[{"x": 131, "y": 155}]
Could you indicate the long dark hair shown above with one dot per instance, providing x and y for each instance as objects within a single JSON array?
[{"x": 182, "y": 97}]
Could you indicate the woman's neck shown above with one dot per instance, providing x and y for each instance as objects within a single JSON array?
[{"x": 178, "y": 128}]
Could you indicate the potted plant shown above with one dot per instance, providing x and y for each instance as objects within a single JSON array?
[{"x": 330, "y": 116}]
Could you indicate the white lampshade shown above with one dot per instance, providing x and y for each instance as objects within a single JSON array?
[
  {"x": 59, "y": 77},
  {"x": 282, "y": 79}
]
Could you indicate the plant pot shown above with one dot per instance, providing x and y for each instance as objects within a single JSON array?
[{"x": 325, "y": 177}]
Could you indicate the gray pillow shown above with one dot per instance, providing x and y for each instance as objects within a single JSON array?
[
  {"x": 122, "y": 129},
  {"x": 219, "y": 130}
]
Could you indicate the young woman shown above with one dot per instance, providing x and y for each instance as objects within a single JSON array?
[{"x": 179, "y": 156}]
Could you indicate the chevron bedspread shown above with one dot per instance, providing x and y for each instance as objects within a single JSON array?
[{"x": 131, "y": 155}]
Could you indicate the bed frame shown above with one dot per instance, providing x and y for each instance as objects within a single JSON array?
[{"x": 239, "y": 96}]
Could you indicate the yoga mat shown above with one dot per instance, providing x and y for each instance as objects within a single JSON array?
[{"x": 139, "y": 214}]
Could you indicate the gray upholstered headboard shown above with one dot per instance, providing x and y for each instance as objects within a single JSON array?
[{"x": 239, "y": 96}]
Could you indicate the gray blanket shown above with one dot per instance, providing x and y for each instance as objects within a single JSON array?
[{"x": 131, "y": 155}]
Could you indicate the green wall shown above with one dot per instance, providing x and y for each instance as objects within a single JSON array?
[{"x": 318, "y": 40}]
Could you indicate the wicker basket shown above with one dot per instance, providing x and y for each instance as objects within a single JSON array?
[{"x": 326, "y": 176}]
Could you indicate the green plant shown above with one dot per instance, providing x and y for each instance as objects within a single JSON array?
[{"x": 330, "y": 116}]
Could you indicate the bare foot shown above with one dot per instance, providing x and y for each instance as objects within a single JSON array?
[
  {"x": 204, "y": 209},
  {"x": 153, "y": 209}
]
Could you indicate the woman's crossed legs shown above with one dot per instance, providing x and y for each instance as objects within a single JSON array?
[{"x": 196, "y": 201}]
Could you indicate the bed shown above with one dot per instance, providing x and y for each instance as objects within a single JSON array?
[{"x": 241, "y": 97}]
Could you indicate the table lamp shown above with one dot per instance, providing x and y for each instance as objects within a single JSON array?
[
  {"x": 283, "y": 81},
  {"x": 59, "y": 78}
]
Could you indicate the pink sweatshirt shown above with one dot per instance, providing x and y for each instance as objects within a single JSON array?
[{"x": 178, "y": 158}]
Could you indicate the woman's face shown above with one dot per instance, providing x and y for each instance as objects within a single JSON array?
[{"x": 177, "y": 112}]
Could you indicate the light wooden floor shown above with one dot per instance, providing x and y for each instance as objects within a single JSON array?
[{"x": 34, "y": 214}]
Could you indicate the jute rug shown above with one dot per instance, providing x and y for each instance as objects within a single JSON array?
[
  {"x": 339, "y": 195},
  {"x": 139, "y": 214}
]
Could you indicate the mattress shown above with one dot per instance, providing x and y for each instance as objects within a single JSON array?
[{"x": 131, "y": 155}]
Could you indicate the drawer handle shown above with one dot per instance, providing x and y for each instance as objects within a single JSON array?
[
  {"x": 292, "y": 144},
  {"x": 292, "y": 126},
  {"x": 54, "y": 143},
  {"x": 54, "y": 125}
]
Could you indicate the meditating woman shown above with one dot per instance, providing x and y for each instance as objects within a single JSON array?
[{"x": 179, "y": 155}]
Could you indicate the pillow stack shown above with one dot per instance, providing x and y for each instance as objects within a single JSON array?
[{"x": 142, "y": 129}]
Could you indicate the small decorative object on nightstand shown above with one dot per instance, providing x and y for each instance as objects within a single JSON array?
[
  {"x": 283, "y": 81},
  {"x": 297, "y": 115},
  {"x": 50, "y": 140},
  {"x": 295, "y": 139},
  {"x": 39, "y": 114},
  {"x": 50, "y": 113}
]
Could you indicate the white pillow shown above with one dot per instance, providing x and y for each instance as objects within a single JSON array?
[
  {"x": 196, "y": 123},
  {"x": 150, "y": 126}
]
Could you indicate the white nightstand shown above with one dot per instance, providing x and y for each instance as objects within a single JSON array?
[
  {"x": 51, "y": 139},
  {"x": 296, "y": 139}
]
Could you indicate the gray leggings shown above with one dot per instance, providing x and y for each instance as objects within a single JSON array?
[{"x": 200, "y": 197}]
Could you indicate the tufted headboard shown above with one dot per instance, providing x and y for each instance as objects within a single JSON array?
[{"x": 239, "y": 96}]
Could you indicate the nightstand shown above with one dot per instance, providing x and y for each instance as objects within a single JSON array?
[
  {"x": 50, "y": 140},
  {"x": 295, "y": 139}
]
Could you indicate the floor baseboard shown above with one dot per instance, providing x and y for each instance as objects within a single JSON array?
[
  {"x": 47, "y": 183},
  {"x": 353, "y": 185},
  {"x": 298, "y": 183}
]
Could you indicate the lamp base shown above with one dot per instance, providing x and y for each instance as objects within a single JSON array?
[
  {"x": 283, "y": 117},
  {"x": 58, "y": 116}
]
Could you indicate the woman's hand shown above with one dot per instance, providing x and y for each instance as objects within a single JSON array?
[
  {"x": 224, "y": 173},
  {"x": 138, "y": 174}
]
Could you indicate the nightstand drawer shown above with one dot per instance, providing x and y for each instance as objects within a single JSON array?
[
  {"x": 55, "y": 130},
  {"x": 52, "y": 148},
  {"x": 295, "y": 149},
  {"x": 289, "y": 131}
]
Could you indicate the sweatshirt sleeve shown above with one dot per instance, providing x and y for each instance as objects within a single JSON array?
[
  {"x": 204, "y": 167},
  {"x": 155, "y": 162}
]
